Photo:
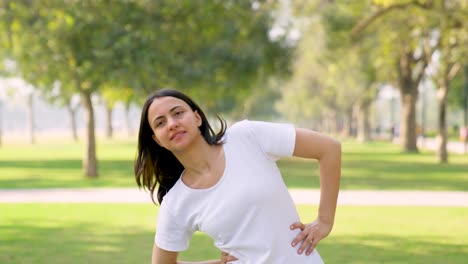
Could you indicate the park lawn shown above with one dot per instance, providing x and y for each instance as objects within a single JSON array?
[
  {"x": 382, "y": 166},
  {"x": 123, "y": 233},
  {"x": 377, "y": 165}
]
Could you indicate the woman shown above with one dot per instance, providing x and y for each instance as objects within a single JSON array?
[{"x": 227, "y": 184}]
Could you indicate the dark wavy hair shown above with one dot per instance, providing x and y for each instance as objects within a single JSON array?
[{"x": 155, "y": 165}]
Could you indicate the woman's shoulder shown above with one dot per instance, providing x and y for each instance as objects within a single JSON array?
[
  {"x": 237, "y": 131},
  {"x": 252, "y": 127},
  {"x": 242, "y": 126}
]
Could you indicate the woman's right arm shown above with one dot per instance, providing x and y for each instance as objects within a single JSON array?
[{"x": 161, "y": 256}]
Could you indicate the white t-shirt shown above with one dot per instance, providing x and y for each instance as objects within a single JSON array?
[{"x": 249, "y": 210}]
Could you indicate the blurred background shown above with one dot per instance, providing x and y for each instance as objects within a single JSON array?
[
  {"x": 389, "y": 78},
  {"x": 365, "y": 69},
  {"x": 371, "y": 70}
]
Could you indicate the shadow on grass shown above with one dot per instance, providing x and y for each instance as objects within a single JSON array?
[
  {"x": 80, "y": 243},
  {"x": 86, "y": 243},
  {"x": 391, "y": 249},
  {"x": 41, "y": 164},
  {"x": 404, "y": 176},
  {"x": 388, "y": 174},
  {"x": 65, "y": 173}
]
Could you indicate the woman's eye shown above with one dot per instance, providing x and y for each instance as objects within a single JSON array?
[
  {"x": 178, "y": 113},
  {"x": 160, "y": 123}
]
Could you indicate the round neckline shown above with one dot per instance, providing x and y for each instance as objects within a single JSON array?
[{"x": 226, "y": 164}]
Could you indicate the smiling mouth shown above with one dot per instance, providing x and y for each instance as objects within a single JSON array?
[{"x": 176, "y": 135}]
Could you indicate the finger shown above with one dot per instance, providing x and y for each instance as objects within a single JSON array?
[
  {"x": 306, "y": 243},
  {"x": 300, "y": 237},
  {"x": 231, "y": 258},
  {"x": 297, "y": 225},
  {"x": 312, "y": 246}
]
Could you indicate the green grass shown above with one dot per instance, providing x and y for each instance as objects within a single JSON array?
[
  {"x": 59, "y": 164},
  {"x": 123, "y": 233},
  {"x": 382, "y": 166},
  {"x": 375, "y": 165}
]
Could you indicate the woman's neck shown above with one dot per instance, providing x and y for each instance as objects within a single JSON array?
[
  {"x": 203, "y": 164},
  {"x": 200, "y": 157}
]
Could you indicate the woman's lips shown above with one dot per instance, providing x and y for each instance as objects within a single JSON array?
[{"x": 177, "y": 135}]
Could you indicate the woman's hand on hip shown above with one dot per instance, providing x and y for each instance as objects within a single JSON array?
[
  {"x": 225, "y": 257},
  {"x": 310, "y": 235}
]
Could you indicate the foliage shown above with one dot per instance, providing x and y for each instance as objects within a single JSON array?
[
  {"x": 213, "y": 49},
  {"x": 331, "y": 72},
  {"x": 456, "y": 97}
]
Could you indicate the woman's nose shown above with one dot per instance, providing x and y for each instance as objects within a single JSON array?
[{"x": 172, "y": 123}]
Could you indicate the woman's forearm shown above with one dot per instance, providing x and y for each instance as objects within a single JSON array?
[{"x": 330, "y": 173}]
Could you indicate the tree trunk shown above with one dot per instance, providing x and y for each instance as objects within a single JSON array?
[
  {"x": 89, "y": 159},
  {"x": 364, "y": 129},
  {"x": 31, "y": 126},
  {"x": 465, "y": 110},
  {"x": 348, "y": 124},
  {"x": 409, "y": 96},
  {"x": 109, "y": 129},
  {"x": 331, "y": 122},
  {"x": 423, "y": 111},
  {"x": 408, "y": 135},
  {"x": 442, "y": 118},
  {"x": 1, "y": 123},
  {"x": 72, "y": 115},
  {"x": 127, "y": 119},
  {"x": 337, "y": 123}
]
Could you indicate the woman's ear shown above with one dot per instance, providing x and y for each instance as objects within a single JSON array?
[
  {"x": 198, "y": 117},
  {"x": 156, "y": 139}
]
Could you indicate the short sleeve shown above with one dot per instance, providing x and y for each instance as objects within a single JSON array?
[
  {"x": 277, "y": 140},
  {"x": 171, "y": 235}
]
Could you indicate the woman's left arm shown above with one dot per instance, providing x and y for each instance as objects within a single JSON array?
[{"x": 314, "y": 145}]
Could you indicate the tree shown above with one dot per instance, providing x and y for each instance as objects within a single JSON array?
[
  {"x": 300, "y": 97},
  {"x": 64, "y": 97},
  {"x": 47, "y": 48},
  {"x": 451, "y": 34},
  {"x": 358, "y": 74},
  {"x": 4, "y": 94},
  {"x": 110, "y": 97},
  {"x": 402, "y": 37},
  {"x": 31, "y": 116},
  {"x": 213, "y": 49},
  {"x": 442, "y": 22},
  {"x": 458, "y": 98},
  {"x": 465, "y": 109},
  {"x": 330, "y": 79}
]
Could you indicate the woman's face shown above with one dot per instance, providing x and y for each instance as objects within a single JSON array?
[{"x": 174, "y": 123}]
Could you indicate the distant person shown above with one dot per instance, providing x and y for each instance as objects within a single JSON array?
[
  {"x": 463, "y": 133},
  {"x": 394, "y": 131},
  {"x": 227, "y": 184}
]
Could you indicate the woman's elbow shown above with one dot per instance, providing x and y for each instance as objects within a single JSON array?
[
  {"x": 161, "y": 256},
  {"x": 336, "y": 145}
]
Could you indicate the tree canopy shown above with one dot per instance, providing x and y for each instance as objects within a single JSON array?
[{"x": 214, "y": 49}]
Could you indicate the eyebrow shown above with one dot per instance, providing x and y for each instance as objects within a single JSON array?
[{"x": 172, "y": 109}]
